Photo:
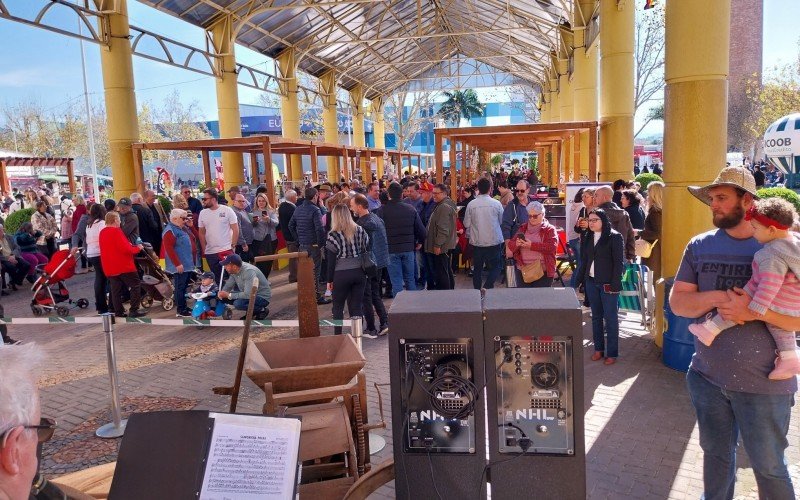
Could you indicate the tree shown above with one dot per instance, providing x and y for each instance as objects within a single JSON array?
[
  {"x": 655, "y": 113},
  {"x": 461, "y": 104},
  {"x": 173, "y": 121},
  {"x": 648, "y": 56},
  {"x": 404, "y": 123},
  {"x": 778, "y": 96},
  {"x": 32, "y": 129}
]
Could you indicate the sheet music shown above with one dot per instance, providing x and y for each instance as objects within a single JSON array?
[{"x": 251, "y": 457}]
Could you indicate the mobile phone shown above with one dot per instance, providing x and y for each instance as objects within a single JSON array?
[
  {"x": 607, "y": 288},
  {"x": 521, "y": 236},
  {"x": 264, "y": 212}
]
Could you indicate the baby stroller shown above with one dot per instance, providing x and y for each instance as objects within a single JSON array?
[
  {"x": 156, "y": 283},
  {"x": 49, "y": 291}
]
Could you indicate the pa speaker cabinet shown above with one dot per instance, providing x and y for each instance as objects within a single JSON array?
[
  {"x": 436, "y": 366},
  {"x": 534, "y": 365}
]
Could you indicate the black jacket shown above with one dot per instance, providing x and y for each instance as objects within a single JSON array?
[
  {"x": 149, "y": 229},
  {"x": 305, "y": 226},
  {"x": 621, "y": 223},
  {"x": 404, "y": 228},
  {"x": 608, "y": 258},
  {"x": 285, "y": 212}
]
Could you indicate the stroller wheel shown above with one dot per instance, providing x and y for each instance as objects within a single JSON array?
[
  {"x": 37, "y": 310},
  {"x": 62, "y": 311},
  {"x": 83, "y": 303},
  {"x": 147, "y": 301},
  {"x": 168, "y": 303},
  {"x": 228, "y": 314}
]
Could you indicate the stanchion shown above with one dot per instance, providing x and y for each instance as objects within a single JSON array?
[
  {"x": 376, "y": 442},
  {"x": 116, "y": 428}
]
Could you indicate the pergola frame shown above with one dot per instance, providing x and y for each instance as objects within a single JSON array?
[
  {"x": 513, "y": 138},
  {"x": 268, "y": 145},
  {"x": 13, "y": 161}
]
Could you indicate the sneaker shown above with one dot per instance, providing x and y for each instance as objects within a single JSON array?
[
  {"x": 369, "y": 334},
  {"x": 137, "y": 313},
  {"x": 183, "y": 314},
  {"x": 261, "y": 315},
  {"x": 10, "y": 341},
  {"x": 328, "y": 293},
  {"x": 785, "y": 368},
  {"x": 323, "y": 300},
  {"x": 383, "y": 329},
  {"x": 703, "y": 332}
]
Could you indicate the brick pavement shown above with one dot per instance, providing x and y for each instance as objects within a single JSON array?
[{"x": 641, "y": 437}]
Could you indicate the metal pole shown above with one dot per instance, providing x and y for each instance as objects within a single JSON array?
[
  {"x": 117, "y": 427},
  {"x": 357, "y": 331},
  {"x": 92, "y": 159}
]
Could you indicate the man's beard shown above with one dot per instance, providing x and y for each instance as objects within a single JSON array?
[{"x": 731, "y": 220}]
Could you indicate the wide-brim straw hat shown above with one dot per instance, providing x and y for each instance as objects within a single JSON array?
[{"x": 738, "y": 177}]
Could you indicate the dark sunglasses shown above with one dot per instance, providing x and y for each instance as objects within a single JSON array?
[
  {"x": 520, "y": 190},
  {"x": 44, "y": 431}
]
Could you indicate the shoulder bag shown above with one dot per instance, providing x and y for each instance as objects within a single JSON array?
[{"x": 644, "y": 248}]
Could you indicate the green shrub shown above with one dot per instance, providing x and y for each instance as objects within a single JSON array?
[
  {"x": 16, "y": 219},
  {"x": 645, "y": 179},
  {"x": 780, "y": 192},
  {"x": 166, "y": 204}
]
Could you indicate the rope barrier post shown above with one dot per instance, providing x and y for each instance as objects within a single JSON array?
[
  {"x": 357, "y": 331},
  {"x": 116, "y": 428}
]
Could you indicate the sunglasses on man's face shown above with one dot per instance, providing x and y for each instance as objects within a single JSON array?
[
  {"x": 44, "y": 431},
  {"x": 520, "y": 190}
]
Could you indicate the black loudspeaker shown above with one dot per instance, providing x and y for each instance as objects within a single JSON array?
[
  {"x": 534, "y": 395},
  {"x": 436, "y": 360}
]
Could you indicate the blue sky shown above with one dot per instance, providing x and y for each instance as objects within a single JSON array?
[{"x": 44, "y": 66}]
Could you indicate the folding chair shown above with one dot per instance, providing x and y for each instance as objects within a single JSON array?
[{"x": 565, "y": 257}]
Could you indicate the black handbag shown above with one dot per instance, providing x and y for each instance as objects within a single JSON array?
[{"x": 368, "y": 265}]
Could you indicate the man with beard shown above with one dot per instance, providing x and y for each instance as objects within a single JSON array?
[{"x": 728, "y": 381}]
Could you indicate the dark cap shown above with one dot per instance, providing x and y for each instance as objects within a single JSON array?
[
  {"x": 125, "y": 202},
  {"x": 232, "y": 259},
  {"x": 207, "y": 274}
]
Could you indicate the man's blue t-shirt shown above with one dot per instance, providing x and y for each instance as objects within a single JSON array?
[{"x": 741, "y": 357}]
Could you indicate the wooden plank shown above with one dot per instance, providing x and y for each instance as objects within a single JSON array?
[
  {"x": 528, "y": 127},
  {"x": 254, "y": 177},
  {"x": 453, "y": 183},
  {"x": 366, "y": 170}
]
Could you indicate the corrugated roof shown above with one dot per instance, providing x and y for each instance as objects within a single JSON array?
[{"x": 387, "y": 44}]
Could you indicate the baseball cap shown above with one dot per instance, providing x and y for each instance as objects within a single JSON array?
[
  {"x": 232, "y": 259},
  {"x": 207, "y": 274},
  {"x": 426, "y": 186},
  {"x": 125, "y": 202}
]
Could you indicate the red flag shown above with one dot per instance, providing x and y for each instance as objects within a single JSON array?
[{"x": 649, "y": 4}]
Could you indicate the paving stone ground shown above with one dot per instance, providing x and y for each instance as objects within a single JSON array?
[{"x": 641, "y": 434}]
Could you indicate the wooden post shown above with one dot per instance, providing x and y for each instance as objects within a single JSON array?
[
  {"x": 206, "y": 167},
  {"x": 4, "y": 184},
  {"x": 366, "y": 172},
  {"x": 593, "y": 154},
  {"x": 437, "y": 150},
  {"x": 287, "y": 158},
  {"x": 576, "y": 163},
  {"x": 71, "y": 174},
  {"x": 307, "y": 313},
  {"x": 138, "y": 173},
  {"x": 345, "y": 165},
  {"x": 453, "y": 173},
  {"x": 314, "y": 164},
  {"x": 254, "y": 177},
  {"x": 266, "y": 148}
]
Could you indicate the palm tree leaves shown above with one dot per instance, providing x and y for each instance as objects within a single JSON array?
[{"x": 461, "y": 104}]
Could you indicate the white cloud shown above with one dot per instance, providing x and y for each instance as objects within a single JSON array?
[{"x": 26, "y": 77}]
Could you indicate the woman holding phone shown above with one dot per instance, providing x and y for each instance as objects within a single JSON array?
[
  {"x": 265, "y": 225},
  {"x": 534, "y": 249},
  {"x": 600, "y": 271}
]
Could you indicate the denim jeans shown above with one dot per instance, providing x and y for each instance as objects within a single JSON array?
[
  {"x": 575, "y": 245},
  {"x": 181, "y": 280},
  {"x": 605, "y": 322},
  {"x": 492, "y": 257},
  {"x": 762, "y": 420},
  {"x": 241, "y": 304},
  {"x": 373, "y": 303},
  {"x": 401, "y": 271}
]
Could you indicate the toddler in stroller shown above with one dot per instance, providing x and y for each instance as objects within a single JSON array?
[{"x": 207, "y": 305}]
